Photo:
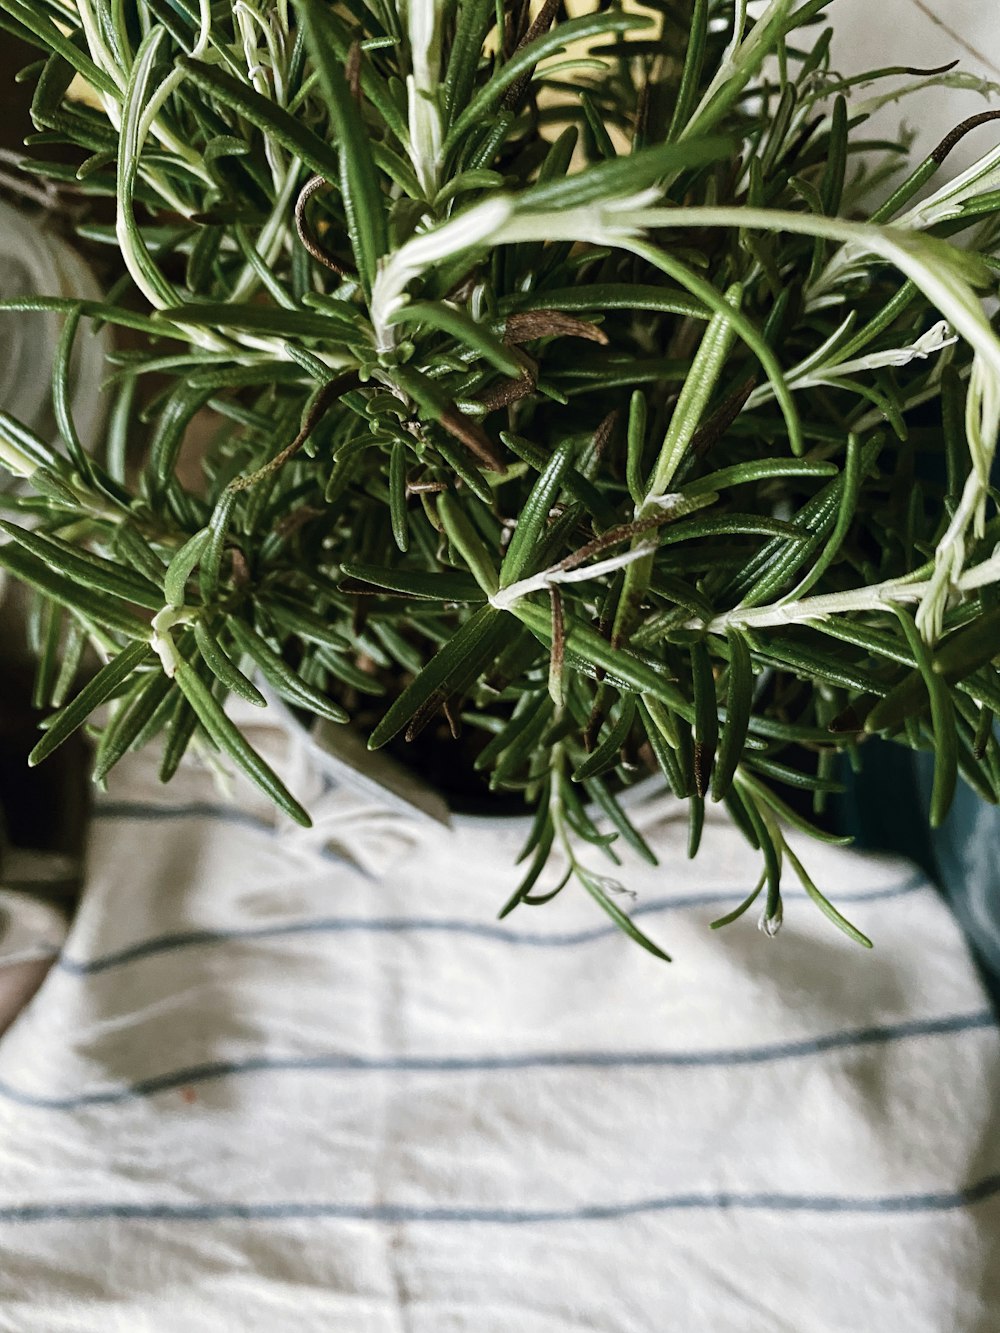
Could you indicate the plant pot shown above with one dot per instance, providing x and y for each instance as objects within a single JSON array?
[
  {"x": 341, "y": 754},
  {"x": 966, "y": 851},
  {"x": 886, "y": 809}
]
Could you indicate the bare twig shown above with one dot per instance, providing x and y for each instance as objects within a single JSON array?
[
  {"x": 424, "y": 713},
  {"x": 558, "y": 651},
  {"x": 514, "y": 95},
  {"x": 524, "y": 326},
  {"x": 316, "y": 410},
  {"x": 454, "y": 724},
  {"x": 604, "y": 432},
  {"x": 951, "y": 140},
  {"x": 613, "y": 537},
  {"x": 722, "y": 418},
  {"x": 352, "y": 71},
  {"x": 304, "y": 232},
  {"x": 425, "y": 487},
  {"x": 511, "y": 391},
  {"x": 472, "y": 435}
]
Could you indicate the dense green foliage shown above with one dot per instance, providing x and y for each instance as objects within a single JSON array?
[{"x": 568, "y": 389}]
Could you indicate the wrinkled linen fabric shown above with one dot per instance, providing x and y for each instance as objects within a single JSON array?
[{"x": 305, "y": 1080}]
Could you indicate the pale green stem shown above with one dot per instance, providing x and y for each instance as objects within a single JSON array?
[
  {"x": 422, "y": 87},
  {"x": 694, "y": 397},
  {"x": 100, "y": 53},
  {"x": 739, "y": 64},
  {"x": 247, "y": 21},
  {"x": 878, "y": 597},
  {"x": 698, "y": 388},
  {"x": 942, "y": 283},
  {"x": 150, "y": 125}
]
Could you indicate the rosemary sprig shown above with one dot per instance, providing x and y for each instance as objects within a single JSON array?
[{"x": 567, "y": 379}]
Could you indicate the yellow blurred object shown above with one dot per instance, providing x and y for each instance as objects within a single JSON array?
[{"x": 81, "y": 91}]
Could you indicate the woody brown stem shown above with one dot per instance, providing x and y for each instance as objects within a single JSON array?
[
  {"x": 514, "y": 95},
  {"x": 317, "y": 409},
  {"x": 304, "y": 232},
  {"x": 956, "y": 136}
]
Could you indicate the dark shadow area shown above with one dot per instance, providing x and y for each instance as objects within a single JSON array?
[{"x": 44, "y": 809}]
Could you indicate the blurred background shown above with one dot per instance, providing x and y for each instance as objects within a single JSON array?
[{"x": 42, "y": 811}]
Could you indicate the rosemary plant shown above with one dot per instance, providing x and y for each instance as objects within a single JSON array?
[{"x": 572, "y": 389}]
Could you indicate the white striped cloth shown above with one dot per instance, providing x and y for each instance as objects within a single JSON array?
[{"x": 306, "y": 1081}]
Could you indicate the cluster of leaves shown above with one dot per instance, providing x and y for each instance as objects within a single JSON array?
[{"x": 567, "y": 388}]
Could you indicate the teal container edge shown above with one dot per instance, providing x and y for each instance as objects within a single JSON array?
[{"x": 886, "y": 809}]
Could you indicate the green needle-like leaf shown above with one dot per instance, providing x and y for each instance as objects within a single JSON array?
[
  {"x": 359, "y": 180},
  {"x": 453, "y": 666},
  {"x": 89, "y": 570},
  {"x": 942, "y": 722},
  {"x": 280, "y": 676},
  {"x": 101, "y": 687},
  {"x": 575, "y": 30},
  {"x": 266, "y": 115},
  {"x": 824, "y": 904},
  {"x": 592, "y": 883},
  {"x": 527, "y": 536},
  {"x": 224, "y": 670},
  {"x": 229, "y": 739}
]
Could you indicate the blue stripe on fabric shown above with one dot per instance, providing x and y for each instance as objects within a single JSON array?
[
  {"x": 727, "y": 1200},
  {"x": 419, "y": 1064},
  {"x": 404, "y": 925}
]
